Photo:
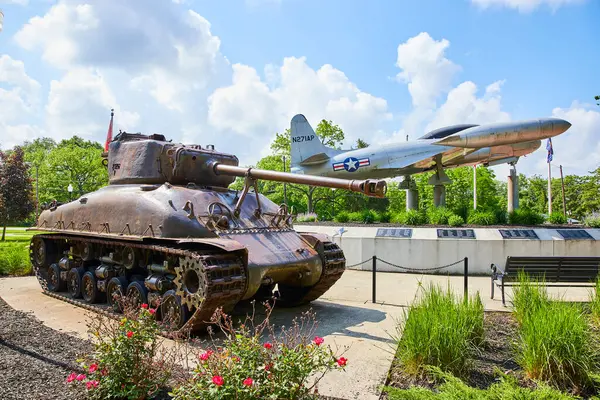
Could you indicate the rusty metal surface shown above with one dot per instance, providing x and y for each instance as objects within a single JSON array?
[{"x": 168, "y": 218}]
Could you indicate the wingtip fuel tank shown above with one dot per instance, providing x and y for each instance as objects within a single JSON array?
[{"x": 506, "y": 133}]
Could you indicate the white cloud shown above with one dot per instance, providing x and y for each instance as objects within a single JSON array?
[
  {"x": 525, "y": 6},
  {"x": 78, "y": 104},
  {"x": 462, "y": 106},
  {"x": 425, "y": 68},
  {"x": 257, "y": 109}
]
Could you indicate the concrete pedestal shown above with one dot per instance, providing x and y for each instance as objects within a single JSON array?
[{"x": 439, "y": 195}]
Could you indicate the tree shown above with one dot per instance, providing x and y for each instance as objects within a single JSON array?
[
  {"x": 361, "y": 144},
  {"x": 16, "y": 195}
]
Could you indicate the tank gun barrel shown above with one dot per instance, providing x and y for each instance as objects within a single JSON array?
[{"x": 369, "y": 187}]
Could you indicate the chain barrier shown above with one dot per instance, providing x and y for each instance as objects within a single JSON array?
[
  {"x": 420, "y": 269},
  {"x": 374, "y": 259}
]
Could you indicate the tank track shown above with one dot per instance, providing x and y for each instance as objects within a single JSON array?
[
  {"x": 225, "y": 275},
  {"x": 334, "y": 265}
]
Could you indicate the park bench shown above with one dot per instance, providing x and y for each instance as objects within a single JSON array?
[{"x": 556, "y": 271}]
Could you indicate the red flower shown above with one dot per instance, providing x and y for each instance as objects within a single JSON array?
[
  {"x": 218, "y": 380},
  {"x": 71, "y": 377},
  {"x": 91, "y": 384},
  {"x": 268, "y": 345},
  {"x": 204, "y": 356},
  {"x": 248, "y": 382},
  {"x": 144, "y": 306},
  {"x": 93, "y": 368},
  {"x": 342, "y": 361},
  {"x": 129, "y": 334},
  {"x": 80, "y": 377},
  {"x": 318, "y": 340},
  {"x": 152, "y": 311}
]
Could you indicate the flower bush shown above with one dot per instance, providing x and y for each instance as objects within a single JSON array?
[
  {"x": 129, "y": 361},
  {"x": 287, "y": 365}
]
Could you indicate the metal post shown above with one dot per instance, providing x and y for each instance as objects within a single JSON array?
[
  {"x": 374, "y": 278},
  {"x": 466, "y": 278},
  {"x": 37, "y": 198},
  {"x": 284, "y": 185},
  {"x": 475, "y": 187},
  {"x": 562, "y": 182}
]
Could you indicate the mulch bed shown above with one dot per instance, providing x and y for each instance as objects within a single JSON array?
[
  {"x": 497, "y": 354},
  {"x": 35, "y": 360}
]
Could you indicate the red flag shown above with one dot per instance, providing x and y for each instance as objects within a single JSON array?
[{"x": 110, "y": 129}]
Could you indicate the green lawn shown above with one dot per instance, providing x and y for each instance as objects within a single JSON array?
[{"x": 14, "y": 252}]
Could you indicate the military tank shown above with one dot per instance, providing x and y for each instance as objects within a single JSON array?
[{"x": 168, "y": 231}]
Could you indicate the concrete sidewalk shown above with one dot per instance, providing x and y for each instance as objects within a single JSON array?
[{"x": 346, "y": 317}]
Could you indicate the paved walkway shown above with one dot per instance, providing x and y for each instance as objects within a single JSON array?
[{"x": 345, "y": 313}]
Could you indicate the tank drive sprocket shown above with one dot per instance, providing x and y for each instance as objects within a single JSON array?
[{"x": 190, "y": 282}]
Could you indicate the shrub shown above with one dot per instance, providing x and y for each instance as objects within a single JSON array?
[
  {"x": 383, "y": 216},
  {"x": 592, "y": 220},
  {"x": 456, "y": 220},
  {"x": 246, "y": 368},
  {"x": 307, "y": 217},
  {"x": 442, "y": 331},
  {"x": 14, "y": 258},
  {"x": 525, "y": 217},
  {"x": 557, "y": 218},
  {"x": 342, "y": 217},
  {"x": 439, "y": 215},
  {"x": 355, "y": 216},
  {"x": 129, "y": 361},
  {"x": 409, "y": 217},
  {"x": 482, "y": 218}
]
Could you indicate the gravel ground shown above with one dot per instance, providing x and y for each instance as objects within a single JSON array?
[{"x": 34, "y": 359}]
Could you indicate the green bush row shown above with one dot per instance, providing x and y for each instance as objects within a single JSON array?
[{"x": 444, "y": 216}]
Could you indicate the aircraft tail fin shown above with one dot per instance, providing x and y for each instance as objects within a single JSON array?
[{"x": 306, "y": 146}]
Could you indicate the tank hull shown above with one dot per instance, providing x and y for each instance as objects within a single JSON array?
[{"x": 142, "y": 234}]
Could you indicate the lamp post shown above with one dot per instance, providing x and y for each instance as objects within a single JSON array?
[{"x": 70, "y": 190}]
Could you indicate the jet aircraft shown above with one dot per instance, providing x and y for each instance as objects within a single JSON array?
[{"x": 447, "y": 147}]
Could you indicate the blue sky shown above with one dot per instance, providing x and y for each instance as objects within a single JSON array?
[{"x": 233, "y": 85}]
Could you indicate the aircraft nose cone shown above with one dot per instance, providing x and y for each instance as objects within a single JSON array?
[{"x": 555, "y": 126}]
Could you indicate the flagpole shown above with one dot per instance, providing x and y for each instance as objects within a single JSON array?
[{"x": 549, "y": 190}]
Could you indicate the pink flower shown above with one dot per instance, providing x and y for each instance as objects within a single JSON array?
[
  {"x": 248, "y": 382},
  {"x": 91, "y": 384},
  {"x": 144, "y": 306},
  {"x": 268, "y": 345},
  {"x": 318, "y": 340},
  {"x": 218, "y": 380},
  {"x": 204, "y": 356},
  {"x": 80, "y": 377},
  {"x": 93, "y": 368},
  {"x": 342, "y": 361},
  {"x": 129, "y": 334},
  {"x": 71, "y": 377}
]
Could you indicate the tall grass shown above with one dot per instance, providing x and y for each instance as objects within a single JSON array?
[
  {"x": 555, "y": 342},
  {"x": 441, "y": 330}
]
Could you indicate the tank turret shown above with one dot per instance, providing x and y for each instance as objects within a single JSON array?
[{"x": 168, "y": 230}]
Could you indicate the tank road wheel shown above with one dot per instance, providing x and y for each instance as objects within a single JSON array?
[
  {"x": 74, "y": 282},
  {"x": 115, "y": 291},
  {"x": 42, "y": 253},
  {"x": 174, "y": 313},
  {"x": 55, "y": 281},
  {"x": 89, "y": 288},
  {"x": 190, "y": 282},
  {"x": 137, "y": 294}
]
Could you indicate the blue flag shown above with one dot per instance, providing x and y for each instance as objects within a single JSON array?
[{"x": 550, "y": 150}]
